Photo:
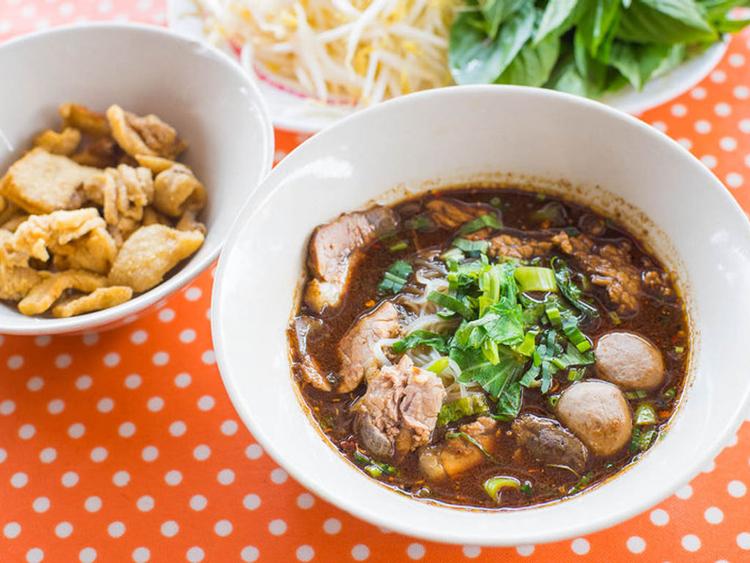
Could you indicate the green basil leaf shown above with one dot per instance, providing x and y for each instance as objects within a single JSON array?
[
  {"x": 496, "y": 12},
  {"x": 593, "y": 71},
  {"x": 566, "y": 78},
  {"x": 598, "y": 24},
  {"x": 474, "y": 58},
  {"x": 509, "y": 402},
  {"x": 533, "y": 64},
  {"x": 665, "y": 21},
  {"x": 558, "y": 17},
  {"x": 640, "y": 63}
]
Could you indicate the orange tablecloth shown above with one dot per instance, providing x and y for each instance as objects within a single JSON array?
[{"x": 124, "y": 445}]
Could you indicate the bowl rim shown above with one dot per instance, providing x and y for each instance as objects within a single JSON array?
[
  {"x": 193, "y": 267},
  {"x": 617, "y": 514}
]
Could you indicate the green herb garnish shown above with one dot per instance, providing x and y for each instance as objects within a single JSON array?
[{"x": 395, "y": 277}]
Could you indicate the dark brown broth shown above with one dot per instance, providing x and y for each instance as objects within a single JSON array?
[{"x": 661, "y": 321}]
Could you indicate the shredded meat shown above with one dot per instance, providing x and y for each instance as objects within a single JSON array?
[
  {"x": 399, "y": 411},
  {"x": 608, "y": 266},
  {"x": 521, "y": 248},
  {"x": 658, "y": 283}
]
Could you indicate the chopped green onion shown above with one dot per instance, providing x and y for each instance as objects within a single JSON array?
[
  {"x": 679, "y": 349},
  {"x": 491, "y": 352},
  {"x": 471, "y": 246},
  {"x": 494, "y": 486},
  {"x": 527, "y": 347},
  {"x": 554, "y": 212},
  {"x": 642, "y": 438},
  {"x": 373, "y": 471},
  {"x": 582, "y": 482},
  {"x": 576, "y": 374},
  {"x": 574, "y": 334},
  {"x": 553, "y": 314},
  {"x": 419, "y": 223},
  {"x": 615, "y": 318},
  {"x": 398, "y": 246},
  {"x": 452, "y": 255},
  {"x": 439, "y": 365},
  {"x": 452, "y": 304},
  {"x": 372, "y": 467},
  {"x": 670, "y": 393},
  {"x": 637, "y": 394},
  {"x": 395, "y": 277},
  {"x": 480, "y": 223},
  {"x": 465, "y": 406},
  {"x": 645, "y": 415},
  {"x": 526, "y": 488},
  {"x": 552, "y": 400},
  {"x": 532, "y": 278},
  {"x": 495, "y": 202},
  {"x": 569, "y": 289}
]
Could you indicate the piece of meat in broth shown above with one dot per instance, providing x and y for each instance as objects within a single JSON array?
[
  {"x": 546, "y": 442},
  {"x": 457, "y": 455},
  {"x": 335, "y": 245},
  {"x": 308, "y": 365},
  {"x": 526, "y": 248},
  {"x": 399, "y": 411},
  {"x": 356, "y": 348},
  {"x": 451, "y": 213}
]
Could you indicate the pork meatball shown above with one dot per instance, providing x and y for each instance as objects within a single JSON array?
[
  {"x": 598, "y": 414},
  {"x": 629, "y": 361}
]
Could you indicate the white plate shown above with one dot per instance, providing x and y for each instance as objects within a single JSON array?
[
  {"x": 702, "y": 235},
  {"x": 295, "y": 113}
]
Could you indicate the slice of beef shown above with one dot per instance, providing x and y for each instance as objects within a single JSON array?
[
  {"x": 455, "y": 456},
  {"x": 451, "y": 213},
  {"x": 546, "y": 442},
  {"x": 355, "y": 350},
  {"x": 308, "y": 365},
  {"x": 335, "y": 245},
  {"x": 509, "y": 246},
  {"x": 399, "y": 411}
]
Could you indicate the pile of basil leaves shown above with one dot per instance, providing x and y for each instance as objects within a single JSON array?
[{"x": 585, "y": 47}]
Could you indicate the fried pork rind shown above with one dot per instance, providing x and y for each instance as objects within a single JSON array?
[
  {"x": 44, "y": 294},
  {"x": 154, "y": 163},
  {"x": 95, "y": 251},
  {"x": 101, "y": 152},
  {"x": 176, "y": 190},
  {"x": 16, "y": 279},
  {"x": 123, "y": 193},
  {"x": 63, "y": 143},
  {"x": 9, "y": 211},
  {"x": 40, "y": 234},
  {"x": 152, "y": 217},
  {"x": 41, "y": 182},
  {"x": 188, "y": 222},
  {"x": 147, "y": 135},
  {"x": 102, "y": 298},
  {"x": 150, "y": 253},
  {"x": 84, "y": 119}
]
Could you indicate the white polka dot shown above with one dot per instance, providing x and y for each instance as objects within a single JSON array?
[
  {"x": 121, "y": 478},
  {"x": 166, "y": 315},
  {"x": 3, "y": 455},
  {"x": 525, "y": 550},
  {"x": 160, "y": 358},
  {"x": 198, "y": 502},
  {"x": 187, "y": 336},
  {"x": 105, "y": 6},
  {"x": 177, "y": 428},
  {"x": 12, "y": 530},
  {"x": 111, "y": 359},
  {"x": 208, "y": 357},
  {"x": 155, "y": 404},
  {"x": 202, "y": 452},
  {"x": 223, "y": 528},
  {"x": 141, "y": 554},
  {"x": 709, "y": 467},
  {"x": 709, "y": 160},
  {"x": 580, "y": 546},
  {"x": 741, "y": 92},
  {"x": 99, "y": 454},
  {"x": 471, "y": 551},
  {"x": 415, "y": 551},
  {"x": 636, "y": 544},
  {"x": 249, "y": 553},
  {"x": 206, "y": 403},
  {"x": 116, "y": 529},
  {"x": 251, "y": 501},
  {"x": 90, "y": 338},
  {"x": 728, "y": 143},
  {"x": 195, "y": 554},
  {"x": 34, "y": 383},
  {"x": 736, "y": 489},
  {"x": 63, "y": 361},
  {"x": 126, "y": 429},
  {"x": 84, "y": 382},
  {"x": 736, "y": 59},
  {"x": 225, "y": 477},
  {"x": 92, "y": 504},
  {"x": 19, "y": 480},
  {"x": 277, "y": 527},
  {"x": 360, "y": 552},
  {"x": 305, "y": 553},
  {"x": 133, "y": 381},
  {"x": 149, "y": 453},
  {"x": 660, "y": 126},
  {"x": 229, "y": 427},
  {"x": 744, "y": 125},
  {"x": 87, "y": 555},
  {"x": 76, "y": 430},
  {"x": 145, "y": 503},
  {"x": 702, "y": 126},
  {"x": 332, "y": 526},
  {"x": 182, "y": 380},
  {"x": 687, "y": 143},
  {"x": 722, "y": 109},
  {"x": 7, "y": 407},
  {"x": 69, "y": 479},
  {"x": 34, "y": 555},
  {"x": 63, "y": 529},
  {"x": 139, "y": 336},
  {"x": 743, "y": 540},
  {"x": 42, "y": 340},
  {"x": 679, "y": 110},
  {"x": 26, "y": 431},
  {"x": 279, "y": 476},
  {"x": 173, "y": 477},
  {"x": 734, "y": 180},
  {"x": 253, "y": 451},
  {"x": 40, "y": 504},
  {"x": 105, "y": 405},
  {"x": 718, "y": 76},
  {"x": 713, "y": 515},
  {"x": 698, "y": 93},
  {"x": 659, "y": 517},
  {"x": 691, "y": 542},
  {"x": 305, "y": 501},
  {"x": 170, "y": 528},
  {"x": 55, "y": 406},
  {"x": 193, "y": 294},
  {"x": 15, "y": 362},
  {"x": 684, "y": 492}
]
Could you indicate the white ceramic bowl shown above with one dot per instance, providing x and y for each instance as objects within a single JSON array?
[
  {"x": 212, "y": 103},
  {"x": 452, "y": 135}
]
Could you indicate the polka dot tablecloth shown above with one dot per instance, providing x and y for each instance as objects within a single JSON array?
[{"x": 124, "y": 446}]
